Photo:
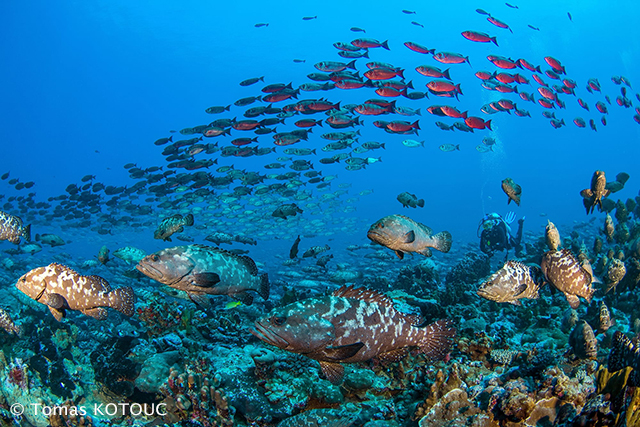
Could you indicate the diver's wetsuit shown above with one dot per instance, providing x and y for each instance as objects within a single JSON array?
[{"x": 497, "y": 238}]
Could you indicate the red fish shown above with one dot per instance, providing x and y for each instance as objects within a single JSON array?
[
  {"x": 350, "y": 84},
  {"x": 245, "y": 125},
  {"x": 569, "y": 83},
  {"x": 429, "y": 71},
  {"x": 453, "y": 112},
  {"x": 505, "y": 78},
  {"x": 498, "y": 23},
  {"x": 280, "y": 96},
  {"x": 555, "y": 64},
  {"x": 484, "y": 75},
  {"x": 476, "y": 36},
  {"x": 523, "y": 63},
  {"x": 579, "y": 121},
  {"x": 502, "y": 62},
  {"x": 601, "y": 107},
  {"x": 321, "y": 105},
  {"x": 370, "y": 43},
  {"x": 239, "y": 142},
  {"x": 419, "y": 48},
  {"x": 390, "y": 92},
  {"x": 507, "y": 104},
  {"x": 402, "y": 126},
  {"x": 552, "y": 75},
  {"x": 444, "y": 86},
  {"x": 451, "y": 58},
  {"x": 521, "y": 79},
  {"x": 384, "y": 73},
  {"x": 539, "y": 80},
  {"x": 547, "y": 93},
  {"x": 477, "y": 123},
  {"x": 527, "y": 97},
  {"x": 545, "y": 103},
  {"x": 506, "y": 88},
  {"x": 307, "y": 123}
]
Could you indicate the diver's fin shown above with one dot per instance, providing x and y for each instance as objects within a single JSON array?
[
  {"x": 410, "y": 237},
  {"x": 206, "y": 280},
  {"x": 400, "y": 254},
  {"x": 333, "y": 371},
  {"x": 343, "y": 352}
]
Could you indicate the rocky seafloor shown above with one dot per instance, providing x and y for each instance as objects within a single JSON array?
[{"x": 539, "y": 364}]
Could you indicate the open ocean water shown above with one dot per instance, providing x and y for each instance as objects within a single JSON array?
[{"x": 251, "y": 160}]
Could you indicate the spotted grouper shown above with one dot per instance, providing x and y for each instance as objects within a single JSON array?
[
  {"x": 351, "y": 325},
  {"x": 568, "y": 275},
  {"x": 61, "y": 288},
  {"x": 201, "y": 270},
  {"x": 402, "y": 235},
  {"x": 12, "y": 228}
]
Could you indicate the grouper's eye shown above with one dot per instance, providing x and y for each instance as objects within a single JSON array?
[
  {"x": 278, "y": 321},
  {"x": 155, "y": 258},
  {"x": 380, "y": 225}
]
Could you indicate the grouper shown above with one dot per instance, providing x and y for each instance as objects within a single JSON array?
[
  {"x": 351, "y": 325},
  {"x": 402, "y": 235},
  {"x": 201, "y": 270}
]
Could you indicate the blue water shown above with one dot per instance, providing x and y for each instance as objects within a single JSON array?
[{"x": 89, "y": 87}]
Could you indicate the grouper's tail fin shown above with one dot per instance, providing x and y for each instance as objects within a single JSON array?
[
  {"x": 264, "y": 286},
  {"x": 26, "y": 233},
  {"x": 123, "y": 300},
  {"x": 623, "y": 353},
  {"x": 438, "y": 338},
  {"x": 443, "y": 241}
]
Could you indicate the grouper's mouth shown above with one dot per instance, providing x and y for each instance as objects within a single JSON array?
[
  {"x": 267, "y": 335},
  {"x": 149, "y": 271}
]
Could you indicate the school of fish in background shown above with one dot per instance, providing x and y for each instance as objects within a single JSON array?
[{"x": 224, "y": 338}]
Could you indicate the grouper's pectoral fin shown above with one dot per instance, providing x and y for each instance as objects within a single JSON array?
[
  {"x": 56, "y": 301},
  {"x": 333, "y": 371},
  {"x": 400, "y": 254},
  {"x": 58, "y": 314},
  {"x": 206, "y": 280},
  {"x": 97, "y": 313},
  {"x": 410, "y": 237},
  {"x": 342, "y": 352}
]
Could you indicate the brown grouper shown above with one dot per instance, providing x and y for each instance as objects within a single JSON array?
[
  {"x": 61, "y": 288},
  {"x": 199, "y": 270},
  {"x": 12, "y": 228},
  {"x": 349, "y": 326},
  {"x": 404, "y": 235}
]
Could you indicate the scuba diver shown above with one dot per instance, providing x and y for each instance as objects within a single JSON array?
[{"x": 496, "y": 234}]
